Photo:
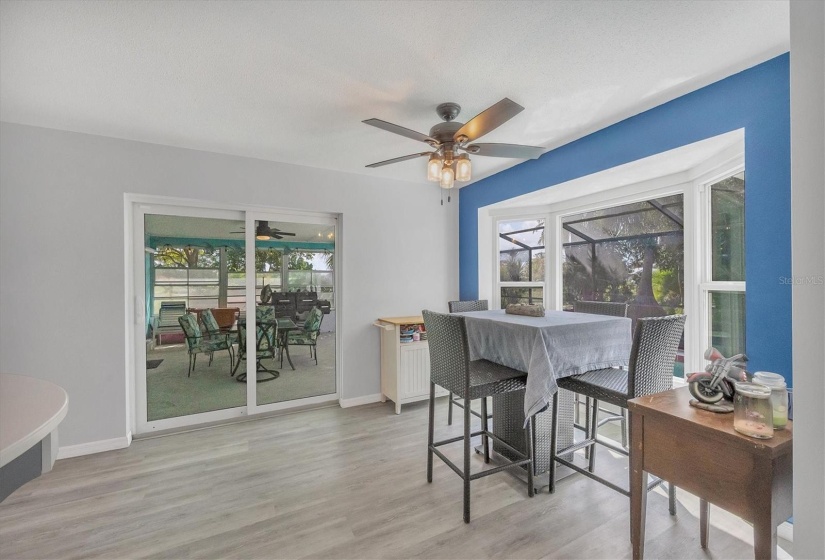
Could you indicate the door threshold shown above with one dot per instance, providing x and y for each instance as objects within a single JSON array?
[{"x": 239, "y": 420}]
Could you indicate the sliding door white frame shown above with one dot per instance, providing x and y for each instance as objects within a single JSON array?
[
  {"x": 252, "y": 217},
  {"x": 135, "y": 208}
]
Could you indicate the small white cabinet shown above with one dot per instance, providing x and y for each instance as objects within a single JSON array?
[{"x": 405, "y": 366}]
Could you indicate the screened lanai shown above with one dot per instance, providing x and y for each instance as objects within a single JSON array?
[
  {"x": 631, "y": 253},
  {"x": 195, "y": 267}
]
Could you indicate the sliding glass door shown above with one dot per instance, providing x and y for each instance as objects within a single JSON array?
[
  {"x": 234, "y": 314},
  {"x": 296, "y": 308}
]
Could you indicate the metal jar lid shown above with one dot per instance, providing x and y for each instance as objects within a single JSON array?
[
  {"x": 773, "y": 380},
  {"x": 753, "y": 390}
]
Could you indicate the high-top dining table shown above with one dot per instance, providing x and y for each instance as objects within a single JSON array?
[{"x": 547, "y": 348}]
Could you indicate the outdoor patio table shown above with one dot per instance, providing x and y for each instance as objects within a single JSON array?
[
  {"x": 284, "y": 326},
  {"x": 547, "y": 348}
]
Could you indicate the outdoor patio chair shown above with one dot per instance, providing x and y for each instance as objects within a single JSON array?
[
  {"x": 307, "y": 335},
  {"x": 266, "y": 342},
  {"x": 197, "y": 342},
  {"x": 166, "y": 321},
  {"x": 215, "y": 329}
]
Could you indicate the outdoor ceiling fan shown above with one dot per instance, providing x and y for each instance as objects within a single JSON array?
[
  {"x": 263, "y": 232},
  {"x": 450, "y": 138}
]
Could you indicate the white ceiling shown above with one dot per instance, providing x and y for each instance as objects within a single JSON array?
[{"x": 291, "y": 81}]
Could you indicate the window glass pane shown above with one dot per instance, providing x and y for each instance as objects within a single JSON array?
[
  {"x": 203, "y": 275},
  {"x": 521, "y": 251},
  {"x": 302, "y": 360},
  {"x": 630, "y": 253},
  {"x": 173, "y": 291},
  {"x": 203, "y": 302},
  {"x": 300, "y": 279},
  {"x": 203, "y": 291},
  {"x": 192, "y": 256},
  {"x": 322, "y": 279},
  {"x": 164, "y": 275},
  {"x": 661, "y": 215},
  {"x": 639, "y": 259},
  {"x": 726, "y": 322},
  {"x": 727, "y": 212},
  {"x": 521, "y": 295}
]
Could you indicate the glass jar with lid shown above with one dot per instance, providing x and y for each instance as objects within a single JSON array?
[
  {"x": 779, "y": 396},
  {"x": 752, "y": 411}
]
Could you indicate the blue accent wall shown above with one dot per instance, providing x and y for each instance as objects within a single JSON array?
[{"x": 757, "y": 100}]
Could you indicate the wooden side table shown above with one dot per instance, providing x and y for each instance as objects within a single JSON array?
[{"x": 701, "y": 452}]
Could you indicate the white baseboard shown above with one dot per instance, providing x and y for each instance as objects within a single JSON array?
[
  {"x": 68, "y": 451},
  {"x": 358, "y": 401}
]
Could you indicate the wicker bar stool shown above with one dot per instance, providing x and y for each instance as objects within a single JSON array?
[
  {"x": 461, "y": 307},
  {"x": 451, "y": 368},
  {"x": 655, "y": 342},
  {"x": 614, "y": 309}
]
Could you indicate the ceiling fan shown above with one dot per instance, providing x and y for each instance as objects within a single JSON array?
[
  {"x": 449, "y": 139},
  {"x": 263, "y": 232}
]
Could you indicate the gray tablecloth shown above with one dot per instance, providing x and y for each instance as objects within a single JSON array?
[{"x": 547, "y": 348}]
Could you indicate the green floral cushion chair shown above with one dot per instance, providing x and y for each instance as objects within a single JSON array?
[
  {"x": 209, "y": 322},
  {"x": 308, "y": 335},
  {"x": 197, "y": 342},
  {"x": 266, "y": 339}
]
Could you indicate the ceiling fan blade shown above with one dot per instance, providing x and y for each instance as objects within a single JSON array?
[
  {"x": 396, "y": 160},
  {"x": 396, "y": 129},
  {"x": 489, "y": 119},
  {"x": 505, "y": 150},
  {"x": 283, "y": 233}
]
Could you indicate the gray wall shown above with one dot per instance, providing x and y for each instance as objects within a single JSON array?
[
  {"x": 808, "y": 242},
  {"x": 62, "y": 264}
]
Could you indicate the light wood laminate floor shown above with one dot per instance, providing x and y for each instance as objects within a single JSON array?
[{"x": 327, "y": 483}]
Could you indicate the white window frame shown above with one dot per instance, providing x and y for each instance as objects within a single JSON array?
[
  {"x": 135, "y": 207},
  {"x": 706, "y": 284},
  {"x": 497, "y": 274},
  {"x": 692, "y": 184}
]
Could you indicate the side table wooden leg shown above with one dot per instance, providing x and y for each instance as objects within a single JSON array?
[
  {"x": 764, "y": 539},
  {"x": 704, "y": 522},
  {"x": 764, "y": 522},
  {"x": 638, "y": 486}
]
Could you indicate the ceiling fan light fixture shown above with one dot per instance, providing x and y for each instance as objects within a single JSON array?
[
  {"x": 262, "y": 232},
  {"x": 447, "y": 177},
  {"x": 434, "y": 168},
  {"x": 463, "y": 168}
]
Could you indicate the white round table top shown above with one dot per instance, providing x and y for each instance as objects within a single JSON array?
[{"x": 30, "y": 409}]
